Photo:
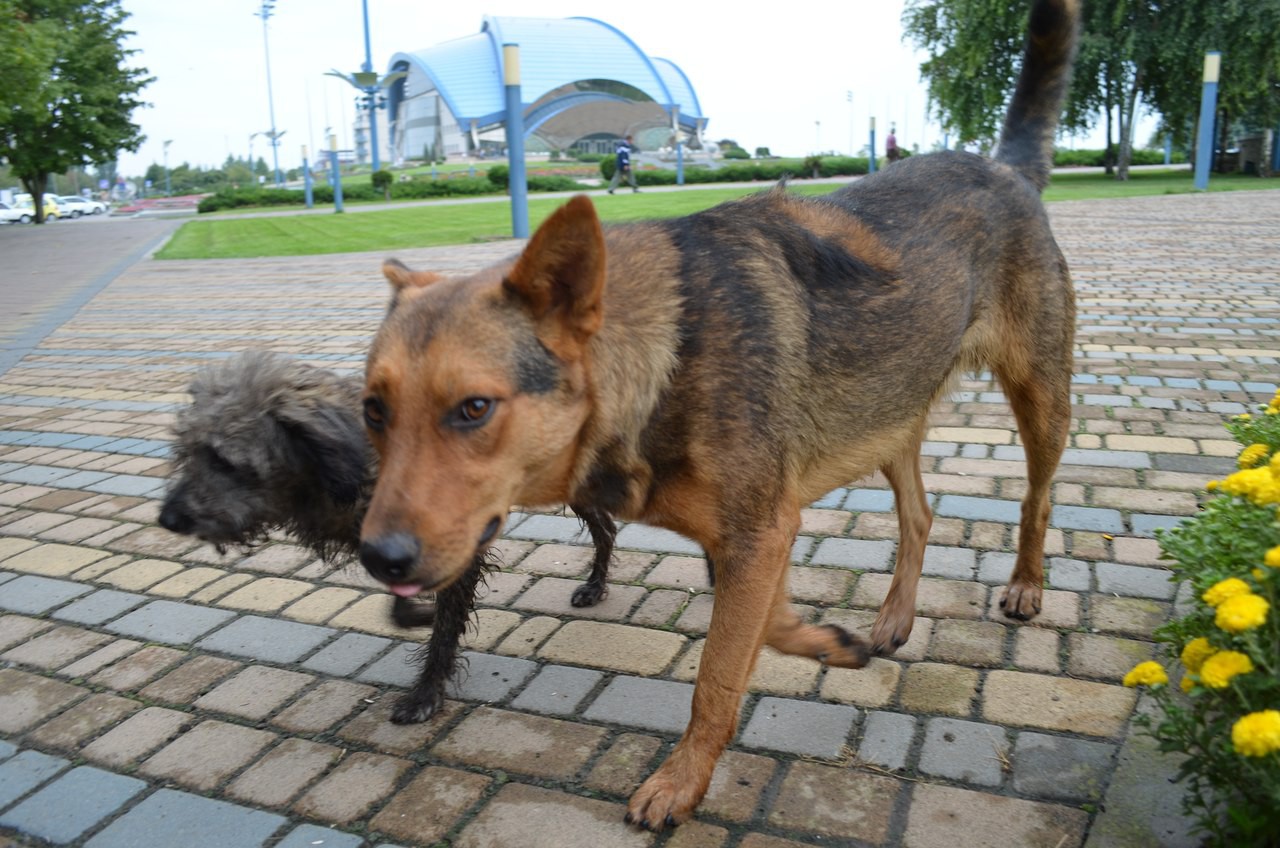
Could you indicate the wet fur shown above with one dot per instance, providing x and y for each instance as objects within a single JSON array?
[{"x": 712, "y": 374}]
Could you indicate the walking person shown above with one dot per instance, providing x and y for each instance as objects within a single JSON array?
[
  {"x": 623, "y": 166},
  {"x": 891, "y": 151}
]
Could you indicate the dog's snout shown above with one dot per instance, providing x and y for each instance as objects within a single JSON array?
[
  {"x": 176, "y": 520},
  {"x": 390, "y": 558}
]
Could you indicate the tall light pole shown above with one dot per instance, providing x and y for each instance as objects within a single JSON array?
[
  {"x": 168, "y": 189},
  {"x": 253, "y": 177},
  {"x": 367, "y": 82},
  {"x": 265, "y": 12}
]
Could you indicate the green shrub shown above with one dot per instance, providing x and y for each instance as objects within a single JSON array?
[
  {"x": 382, "y": 180},
  {"x": 608, "y": 164},
  {"x": 736, "y": 153},
  {"x": 762, "y": 153},
  {"x": 500, "y": 176},
  {"x": 589, "y": 157},
  {"x": 1227, "y": 722}
]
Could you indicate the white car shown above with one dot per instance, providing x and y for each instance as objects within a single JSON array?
[
  {"x": 76, "y": 206},
  {"x": 15, "y": 214}
]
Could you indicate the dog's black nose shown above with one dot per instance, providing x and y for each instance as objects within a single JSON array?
[
  {"x": 175, "y": 520},
  {"x": 390, "y": 558}
]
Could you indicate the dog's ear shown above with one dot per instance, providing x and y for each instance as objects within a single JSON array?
[
  {"x": 405, "y": 282},
  {"x": 560, "y": 276},
  {"x": 333, "y": 443}
]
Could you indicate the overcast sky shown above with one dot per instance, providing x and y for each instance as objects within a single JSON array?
[{"x": 775, "y": 78}]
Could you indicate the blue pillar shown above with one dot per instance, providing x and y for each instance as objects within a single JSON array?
[
  {"x": 370, "y": 93},
  {"x": 1168, "y": 149},
  {"x": 871, "y": 160},
  {"x": 675, "y": 128},
  {"x": 517, "y": 184},
  {"x": 306, "y": 179},
  {"x": 1275, "y": 151},
  {"x": 946, "y": 141},
  {"x": 335, "y": 173},
  {"x": 1208, "y": 110}
]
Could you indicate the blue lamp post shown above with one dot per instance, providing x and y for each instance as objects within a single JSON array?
[
  {"x": 265, "y": 12},
  {"x": 871, "y": 158},
  {"x": 1208, "y": 108},
  {"x": 515, "y": 142},
  {"x": 168, "y": 189}
]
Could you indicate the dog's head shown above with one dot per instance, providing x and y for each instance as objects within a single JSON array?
[
  {"x": 263, "y": 438},
  {"x": 476, "y": 392}
]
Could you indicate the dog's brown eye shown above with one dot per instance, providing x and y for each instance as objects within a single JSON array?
[
  {"x": 473, "y": 412},
  {"x": 375, "y": 414}
]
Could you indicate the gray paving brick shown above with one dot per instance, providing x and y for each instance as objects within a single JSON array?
[
  {"x": 886, "y": 739},
  {"x": 25, "y": 771},
  {"x": 398, "y": 667},
  {"x": 557, "y": 690},
  {"x": 640, "y": 702},
  {"x": 1061, "y": 768},
  {"x": 75, "y": 802},
  {"x": 267, "y": 639},
  {"x": 642, "y": 537},
  {"x": 956, "y": 563},
  {"x": 489, "y": 678},
  {"x": 831, "y": 500},
  {"x": 35, "y": 595},
  {"x": 311, "y": 836},
  {"x": 1134, "y": 581},
  {"x": 344, "y": 655},
  {"x": 869, "y": 500},
  {"x": 975, "y": 451},
  {"x": 103, "y": 605},
  {"x": 938, "y": 448},
  {"x": 35, "y": 475},
  {"x": 800, "y": 727},
  {"x": 859, "y": 554},
  {"x": 1090, "y": 518},
  {"x": 128, "y": 484},
  {"x": 963, "y": 750},
  {"x": 7, "y": 750},
  {"x": 170, "y": 622},
  {"x": 1071, "y": 574},
  {"x": 1147, "y": 525},
  {"x": 170, "y": 817},
  {"x": 1211, "y": 466},
  {"x": 6, "y": 576},
  {"x": 995, "y": 567},
  {"x": 979, "y": 509},
  {"x": 1081, "y": 456},
  {"x": 550, "y": 528},
  {"x": 800, "y": 548},
  {"x": 81, "y": 479}
]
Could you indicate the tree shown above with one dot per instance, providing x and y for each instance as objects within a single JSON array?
[{"x": 76, "y": 97}]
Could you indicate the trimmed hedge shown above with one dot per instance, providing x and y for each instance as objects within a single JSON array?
[{"x": 1098, "y": 158}]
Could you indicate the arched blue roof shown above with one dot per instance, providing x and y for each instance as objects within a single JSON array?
[{"x": 553, "y": 52}]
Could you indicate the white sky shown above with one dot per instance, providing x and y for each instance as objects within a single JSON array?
[{"x": 775, "y": 77}]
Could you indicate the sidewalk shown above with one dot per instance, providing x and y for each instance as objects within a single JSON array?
[{"x": 153, "y": 692}]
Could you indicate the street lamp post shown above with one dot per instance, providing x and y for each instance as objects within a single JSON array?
[
  {"x": 168, "y": 189},
  {"x": 265, "y": 12},
  {"x": 516, "y": 183},
  {"x": 1208, "y": 109},
  {"x": 871, "y": 158}
]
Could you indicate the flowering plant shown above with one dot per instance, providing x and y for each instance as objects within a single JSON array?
[{"x": 1224, "y": 714}]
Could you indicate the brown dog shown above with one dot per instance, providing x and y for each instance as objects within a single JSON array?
[{"x": 714, "y": 374}]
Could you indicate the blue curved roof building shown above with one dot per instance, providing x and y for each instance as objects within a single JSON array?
[{"x": 583, "y": 83}]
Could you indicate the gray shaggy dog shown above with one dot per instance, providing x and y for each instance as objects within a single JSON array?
[{"x": 270, "y": 444}]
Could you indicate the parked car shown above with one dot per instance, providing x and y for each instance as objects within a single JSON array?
[
  {"x": 76, "y": 206},
  {"x": 14, "y": 215},
  {"x": 52, "y": 211}
]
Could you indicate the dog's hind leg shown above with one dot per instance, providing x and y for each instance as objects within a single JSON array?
[
  {"x": 603, "y": 531},
  {"x": 897, "y": 613},
  {"x": 454, "y": 605}
]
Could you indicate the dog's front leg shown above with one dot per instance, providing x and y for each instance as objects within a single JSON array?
[
  {"x": 748, "y": 571},
  {"x": 454, "y": 605}
]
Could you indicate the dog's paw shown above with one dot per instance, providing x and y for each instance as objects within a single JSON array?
[
  {"x": 661, "y": 802},
  {"x": 413, "y": 612},
  {"x": 890, "y": 633},
  {"x": 845, "y": 650},
  {"x": 1021, "y": 601},
  {"x": 414, "y": 708},
  {"x": 589, "y": 594}
]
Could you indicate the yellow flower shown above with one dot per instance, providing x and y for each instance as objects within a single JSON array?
[
  {"x": 1212, "y": 485},
  {"x": 1252, "y": 455},
  {"x": 1146, "y": 674},
  {"x": 1218, "y": 670},
  {"x": 1273, "y": 557},
  {"x": 1244, "y": 416},
  {"x": 1224, "y": 589},
  {"x": 1243, "y": 612},
  {"x": 1259, "y": 485},
  {"x": 1187, "y": 683},
  {"x": 1196, "y": 652},
  {"x": 1257, "y": 734}
]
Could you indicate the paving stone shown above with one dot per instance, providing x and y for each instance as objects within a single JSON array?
[
  {"x": 1086, "y": 518},
  {"x": 871, "y": 686},
  {"x": 680, "y": 572},
  {"x": 55, "y": 648},
  {"x": 1036, "y": 649},
  {"x": 1060, "y": 768},
  {"x": 557, "y": 690},
  {"x": 1054, "y": 703},
  {"x": 324, "y": 706},
  {"x": 971, "y": 643},
  {"x": 269, "y": 594},
  {"x": 170, "y": 817},
  {"x": 737, "y": 787},
  {"x": 800, "y": 727},
  {"x": 525, "y": 744},
  {"x": 101, "y": 606},
  {"x": 190, "y": 680},
  {"x": 372, "y": 614},
  {"x": 939, "y": 813},
  {"x": 550, "y": 596},
  {"x": 69, "y": 730},
  {"x": 639, "y": 702},
  {"x": 398, "y": 667},
  {"x": 190, "y": 581},
  {"x": 820, "y": 585},
  {"x": 835, "y": 802},
  {"x": 267, "y": 639},
  {"x": 169, "y": 622},
  {"x": 775, "y": 673},
  {"x": 1057, "y": 609},
  {"x": 616, "y": 647},
  {"x": 858, "y": 554},
  {"x": 627, "y": 762},
  {"x": 1134, "y": 581},
  {"x": 207, "y": 754},
  {"x": 1071, "y": 574},
  {"x": 310, "y": 835},
  {"x": 347, "y": 793},
  {"x": 26, "y": 699},
  {"x": 886, "y": 739},
  {"x": 274, "y": 780},
  {"x": 53, "y": 560},
  {"x": 255, "y": 692},
  {"x": 935, "y": 597},
  {"x": 430, "y": 806},
  {"x": 532, "y": 817},
  {"x": 137, "y": 736},
  {"x": 62, "y": 811},
  {"x": 964, "y": 750},
  {"x": 276, "y": 559},
  {"x": 37, "y": 595},
  {"x": 344, "y": 655},
  {"x": 374, "y": 727},
  {"x": 696, "y": 834},
  {"x": 1127, "y": 616},
  {"x": 321, "y": 605},
  {"x": 487, "y": 678},
  {"x": 1105, "y": 657},
  {"x": 138, "y": 668},
  {"x": 140, "y": 575},
  {"x": 940, "y": 689},
  {"x": 15, "y": 629},
  {"x": 525, "y": 640},
  {"x": 25, "y": 771}
]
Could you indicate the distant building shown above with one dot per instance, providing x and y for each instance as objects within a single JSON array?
[{"x": 584, "y": 84}]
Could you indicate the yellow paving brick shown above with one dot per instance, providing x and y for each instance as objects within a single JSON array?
[
  {"x": 11, "y": 547},
  {"x": 872, "y": 686},
  {"x": 617, "y": 647},
  {"x": 525, "y": 639},
  {"x": 490, "y": 626},
  {"x": 101, "y": 567},
  {"x": 53, "y": 560},
  {"x": 775, "y": 673},
  {"x": 266, "y": 595},
  {"x": 141, "y": 574},
  {"x": 970, "y": 435},
  {"x": 220, "y": 587},
  {"x": 372, "y": 614},
  {"x": 1152, "y": 444},
  {"x": 321, "y": 605},
  {"x": 1219, "y": 447},
  {"x": 185, "y": 582}
]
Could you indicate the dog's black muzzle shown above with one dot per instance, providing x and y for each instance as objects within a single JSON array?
[{"x": 390, "y": 558}]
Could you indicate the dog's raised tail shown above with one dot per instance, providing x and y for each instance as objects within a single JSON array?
[{"x": 1026, "y": 142}]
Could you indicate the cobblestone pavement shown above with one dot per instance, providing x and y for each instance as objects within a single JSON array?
[{"x": 153, "y": 692}]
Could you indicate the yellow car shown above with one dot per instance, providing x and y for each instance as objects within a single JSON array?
[{"x": 51, "y": 210}]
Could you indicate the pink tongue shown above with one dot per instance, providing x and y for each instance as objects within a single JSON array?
[{"x": 406, "y": 590}]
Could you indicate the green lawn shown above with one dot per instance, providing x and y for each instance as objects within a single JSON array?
[{"x": 462, "y": 223}]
